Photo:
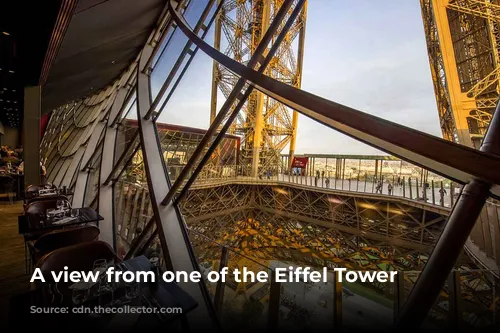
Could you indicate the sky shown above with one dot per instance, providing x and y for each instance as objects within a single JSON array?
[{"x": 367, "y": 54}]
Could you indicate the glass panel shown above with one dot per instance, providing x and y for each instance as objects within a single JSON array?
[
  {"x": 305, "y": 305},
  {"x": 167, "y": 61},
  {"x": 194, "y": 11},
  {"x": 127, "y": 137},
  {"x": 245, "y": 303},
  {"x": 367, "y": 304},
  {"x": 208, "y": 254},
  {"x": 132, "y": 204},
  {"x": 480, "y": 298},
  {"x": 93, "y": 169}
]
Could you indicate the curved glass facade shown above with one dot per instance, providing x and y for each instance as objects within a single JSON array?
[{"x": 204, "y": 195}]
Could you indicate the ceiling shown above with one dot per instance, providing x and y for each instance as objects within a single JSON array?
[
  {"x": 10, "y": 87},
  {"x": 102, "y": 39},
  {"x": 24, "y": 40}
]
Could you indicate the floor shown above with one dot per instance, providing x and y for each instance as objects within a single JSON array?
[{"x": 13, "y": 278}]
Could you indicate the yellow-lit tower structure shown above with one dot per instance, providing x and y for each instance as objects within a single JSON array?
[
  {"x": 265, "y": 126},
  {"x": 463, "y": 41}
]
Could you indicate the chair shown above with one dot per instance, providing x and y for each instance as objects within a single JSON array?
[
  {"x": 32, "y": 190},
  {"x": 40, "y": 207},
  {"x": 57, "y": 239},
  {"x": 48, "y": 198},
  {"x": 37, "y": 208},
  {"x": 80, "y": 257}
]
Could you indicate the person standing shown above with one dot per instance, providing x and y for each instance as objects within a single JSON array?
[
  {"x": 442, "y": 192},
  {"x": 389, "y": 189}
]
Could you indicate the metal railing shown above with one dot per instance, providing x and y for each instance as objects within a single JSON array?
[{"x": 439, "y": 192}]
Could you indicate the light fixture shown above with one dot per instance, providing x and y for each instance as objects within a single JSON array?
[
  {"x": 10, "y": 71},
  {"x": 5, "y": 33},
  {"x": 112, "y": 61}
]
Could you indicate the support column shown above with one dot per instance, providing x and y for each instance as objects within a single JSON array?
[
  {"x": 258, "y": 97},
  {"x": 452, "y": 240},
  {"x": 31, "y": 133},
  {"x": 298, "y": 83},
  {"x": 458, "y": 98},
  {"x": 215, "y": 70},
  {"x": 106, "y": 191}
]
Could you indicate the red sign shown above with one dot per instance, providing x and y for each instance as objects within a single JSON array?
[{"x": 300, "y": 162}]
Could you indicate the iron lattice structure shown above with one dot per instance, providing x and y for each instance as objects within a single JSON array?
[
  {"x": 463, "y": 41},
  {"x": 319, "y": 228},
  {"x": 265, "y": 125}
]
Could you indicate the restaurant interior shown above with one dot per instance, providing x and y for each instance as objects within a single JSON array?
[{"x": 48, "y": 223}]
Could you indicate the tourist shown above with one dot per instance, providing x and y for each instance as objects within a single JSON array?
[
  {"x": 327, "y": 183},
  {"x": 442, "y": 192},
  {"x": 389, "y": 189}
]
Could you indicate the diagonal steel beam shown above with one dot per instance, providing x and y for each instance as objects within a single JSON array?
[
  {"x": 451, "y": 242},
  {"x": 234, "y": 113},
  {"x": 186, "y": 50},
  {"x": 454, "y": 161},
  {"x": 236, "y": 93}
]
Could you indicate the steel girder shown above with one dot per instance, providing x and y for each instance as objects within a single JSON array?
[
  {"x": 314, "y": 228},
  {"x": 401, "y": 236},
  {"x": 265, "y": 125}
]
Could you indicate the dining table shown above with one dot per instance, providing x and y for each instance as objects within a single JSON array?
[
  {"x": 156, "y": 307},
  {"x": 35, "y": 223}
]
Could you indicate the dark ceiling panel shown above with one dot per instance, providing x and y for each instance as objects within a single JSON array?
[
  {"x": 24, "y": 40},
  {"x": 102, "y": 40},
  {"x": 86, "y": 4}
]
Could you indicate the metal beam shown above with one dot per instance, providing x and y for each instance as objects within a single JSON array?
[
  {"x": 236, "y": 94},
  {"x": 176, "y": 248},
  {"x": 446, "y": 158},
  {"x": 452, "y": 240},
  {"x": 264, "y": 62}
]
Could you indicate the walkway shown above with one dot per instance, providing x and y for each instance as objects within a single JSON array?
[
  {"x": 13, "y": 278},
  {"x": 413, "y": 192}
]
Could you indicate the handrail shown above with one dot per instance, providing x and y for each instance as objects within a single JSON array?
[{"x": 446, "y": 158}]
